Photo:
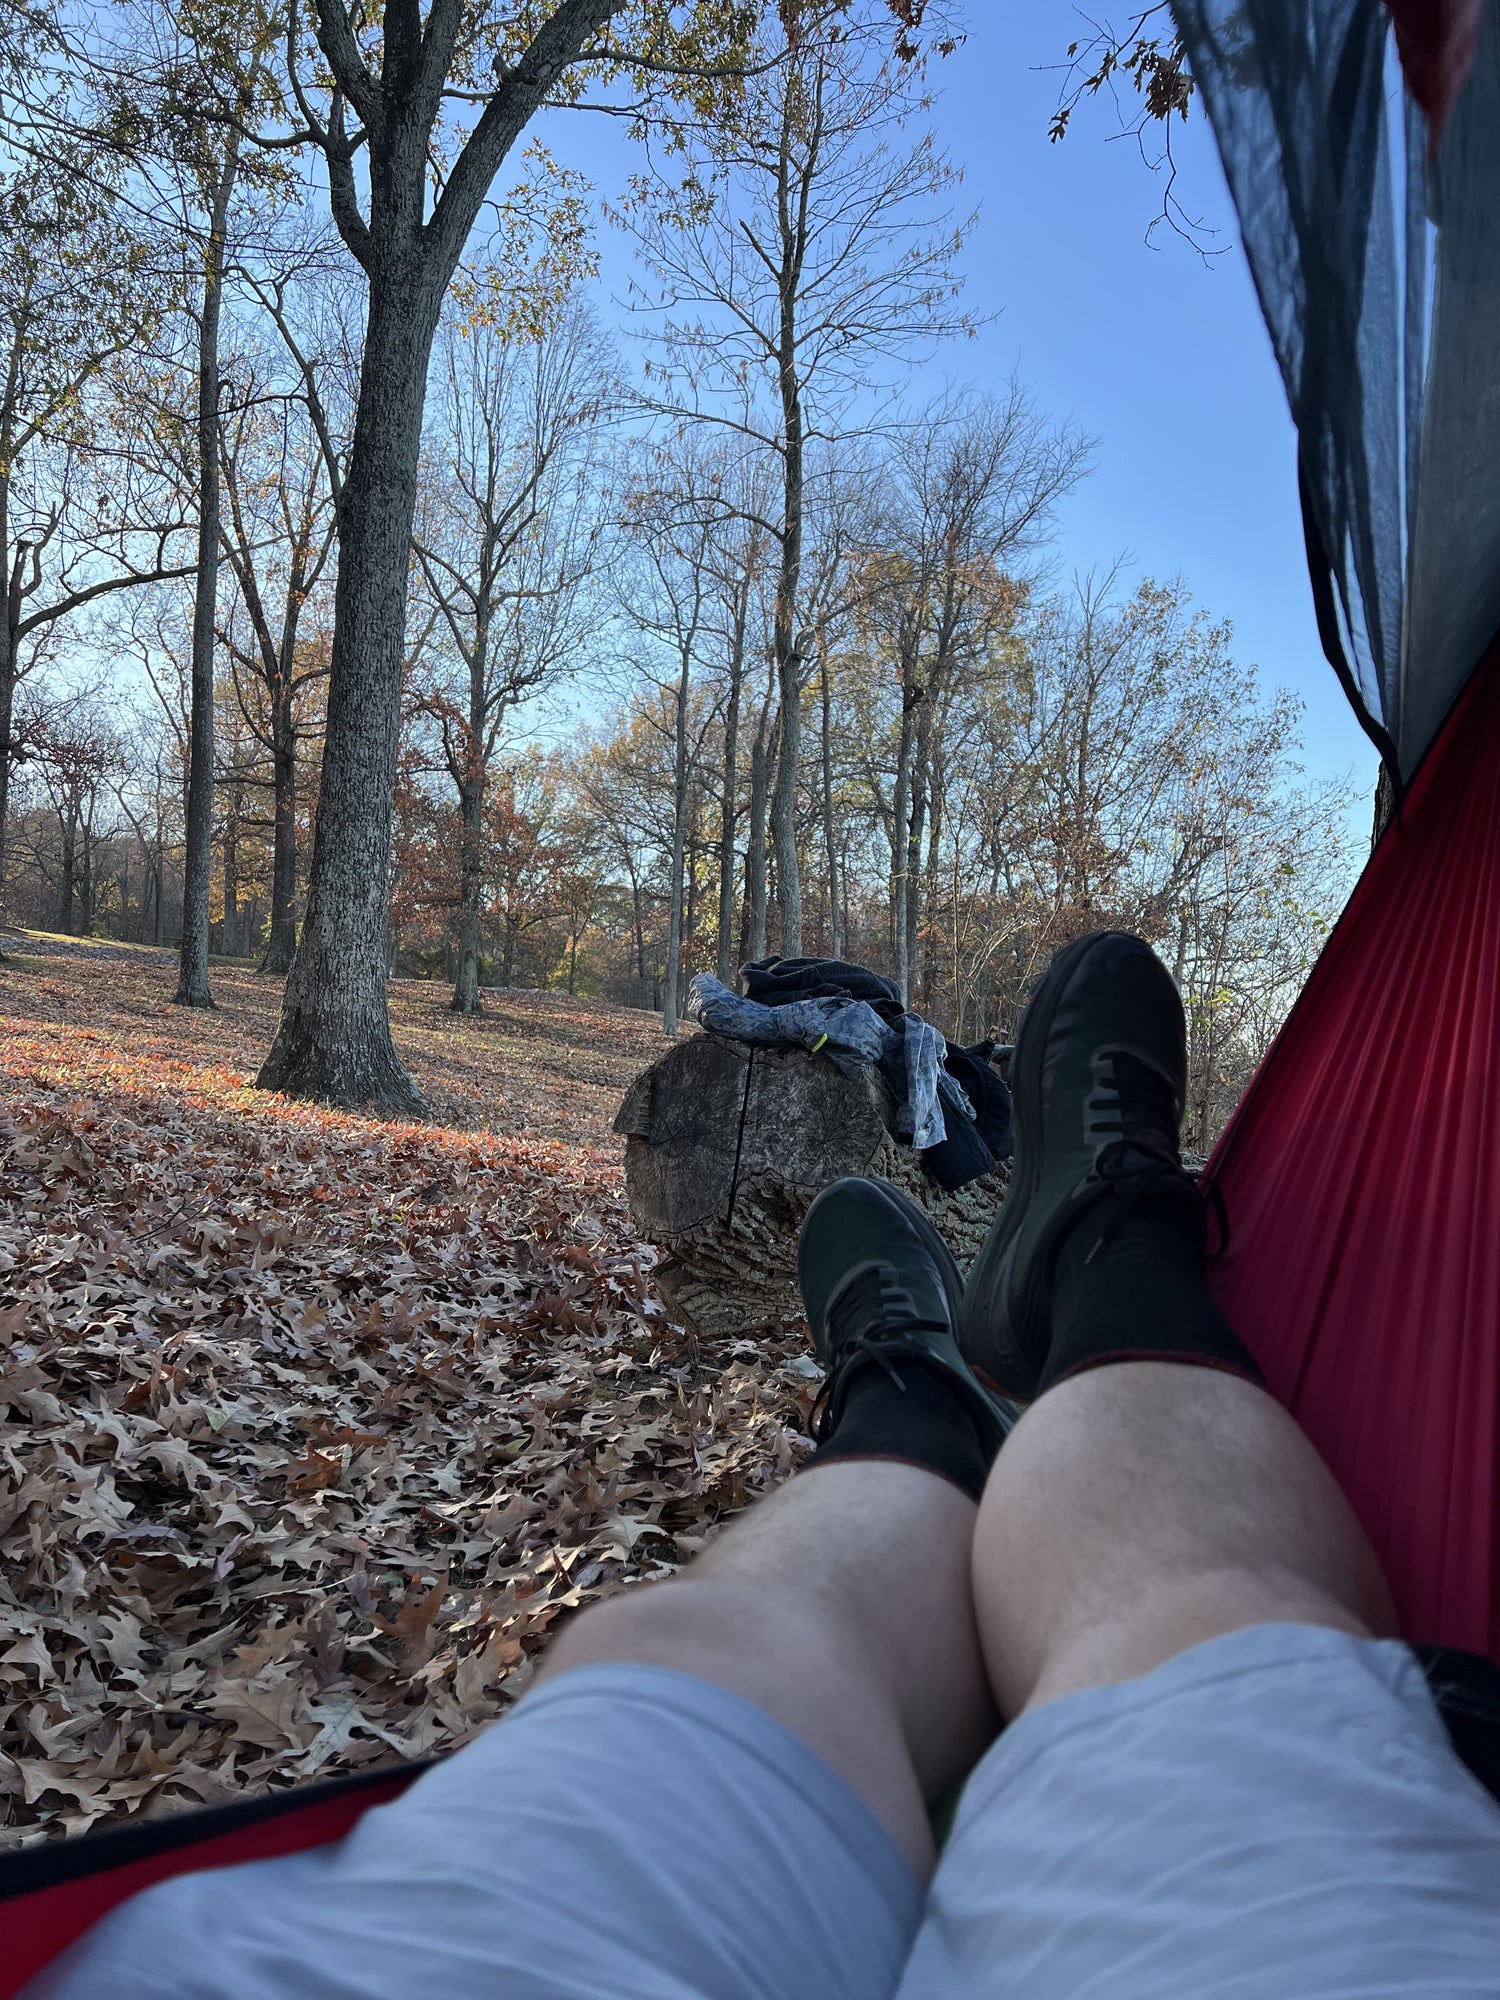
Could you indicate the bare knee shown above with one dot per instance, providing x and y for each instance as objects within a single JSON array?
[{"x": 1141, "y": 1509}]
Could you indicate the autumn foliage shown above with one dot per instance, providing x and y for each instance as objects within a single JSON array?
[{"x": 312, "y": 1429}]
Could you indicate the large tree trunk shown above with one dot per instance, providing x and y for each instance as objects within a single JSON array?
[
  {"x": 281, "y": 944},
  {"x": 470, "y": 882},
  {"x": 335, "y": 1041},
  {"x": 192, "y": 970}
]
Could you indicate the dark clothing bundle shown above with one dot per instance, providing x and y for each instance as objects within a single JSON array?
[
  {"x": 950, "y": 1104},
  {"x": 774, "y": 981}
]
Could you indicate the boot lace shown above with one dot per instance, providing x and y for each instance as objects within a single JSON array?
[
  {"x": 872, "y": 1319},
  {"x": 1131, "y": 1114}
]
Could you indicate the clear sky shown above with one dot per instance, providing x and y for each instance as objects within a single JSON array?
[{"x": 1158, "y": 354}]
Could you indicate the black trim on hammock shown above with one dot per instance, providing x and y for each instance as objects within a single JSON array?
[
  {"x": 1325, "y": 609},
  {"x": 52, "y": 1863}
]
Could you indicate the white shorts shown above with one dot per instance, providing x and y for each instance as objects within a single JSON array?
[{"x": 1274, "y": 1814}]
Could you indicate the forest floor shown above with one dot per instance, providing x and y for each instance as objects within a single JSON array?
[{"x": 313, "y": 1427}]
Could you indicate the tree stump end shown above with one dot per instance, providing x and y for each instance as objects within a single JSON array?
[{"x": 725, "y": 1148}]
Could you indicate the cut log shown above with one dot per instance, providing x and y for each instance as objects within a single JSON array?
[{"x": 725, "y": 1147}]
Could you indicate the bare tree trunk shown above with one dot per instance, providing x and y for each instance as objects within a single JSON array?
[
  {"x": 724, "y": 951},
  {"x": 470, "y": 883},
  {"x": 789, "y": 571},
  {"x": 7, "y": 692},
  {"x": 900, "y": 834},
  {"x": 231, "y": 852},
  {"x": 679, "y": 834},
  {"x": 192, "y": 974},
  {"x": 935, "y": 813},
  {"x": 911, "y": 914},
  {"x": 754, "y": 934},
  {"x": 281, "y": 944},
  {"x": 86, "y": 880},
  {"x": 69, "y": 858},
  {"x": 640, "y": 935},
  {"x": 335, "y": 1041},
  {"x": 783, "y": 812},
  {"x": 830, "y": 836}
]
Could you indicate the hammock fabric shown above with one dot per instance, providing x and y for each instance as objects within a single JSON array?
[
  {"x": 1362, "y": 1172},
  {"x": 51, "y": 1895},
  {"x": 1361, "y": 1176}
]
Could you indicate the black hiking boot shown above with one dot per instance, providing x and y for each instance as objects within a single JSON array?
[
  {"x": 880, "y": 1285},
  {"x": 1099, "y": 1077}
]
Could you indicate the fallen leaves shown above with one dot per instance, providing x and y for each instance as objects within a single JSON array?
[{"x": 312, "y": 1429}]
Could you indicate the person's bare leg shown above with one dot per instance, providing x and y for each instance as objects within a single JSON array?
[
  {"x": 1142, "y": 1507},
  {"x": 841, "y": 1606}
]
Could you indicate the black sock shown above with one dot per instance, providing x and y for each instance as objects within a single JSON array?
[
  {"x": 917, "y": 1417},
  {"x": 1138, "y": 1292}
]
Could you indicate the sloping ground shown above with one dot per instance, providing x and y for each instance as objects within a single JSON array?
[
  {"x": 537, "y": 1064},
  {"x": 311, "y": 1428}
]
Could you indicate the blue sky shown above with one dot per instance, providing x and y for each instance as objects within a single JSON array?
[{"x": 1159, "y": 355}]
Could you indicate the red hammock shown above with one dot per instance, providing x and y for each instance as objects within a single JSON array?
[
  {"x": 51, "y": 1895},
  {"x": 1362, "y": 1180}
]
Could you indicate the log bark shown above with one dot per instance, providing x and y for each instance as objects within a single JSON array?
[{"x": 725, "y": 1147}]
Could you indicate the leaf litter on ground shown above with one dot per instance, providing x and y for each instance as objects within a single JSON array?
[{"x": 313, "y": 1428}]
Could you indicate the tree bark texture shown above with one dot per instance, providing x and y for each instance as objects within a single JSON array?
[
  {"x": 725, "y": 1147},
  {"x": 335, "y": 1041},
  {"x": 192, "y": 964}
]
